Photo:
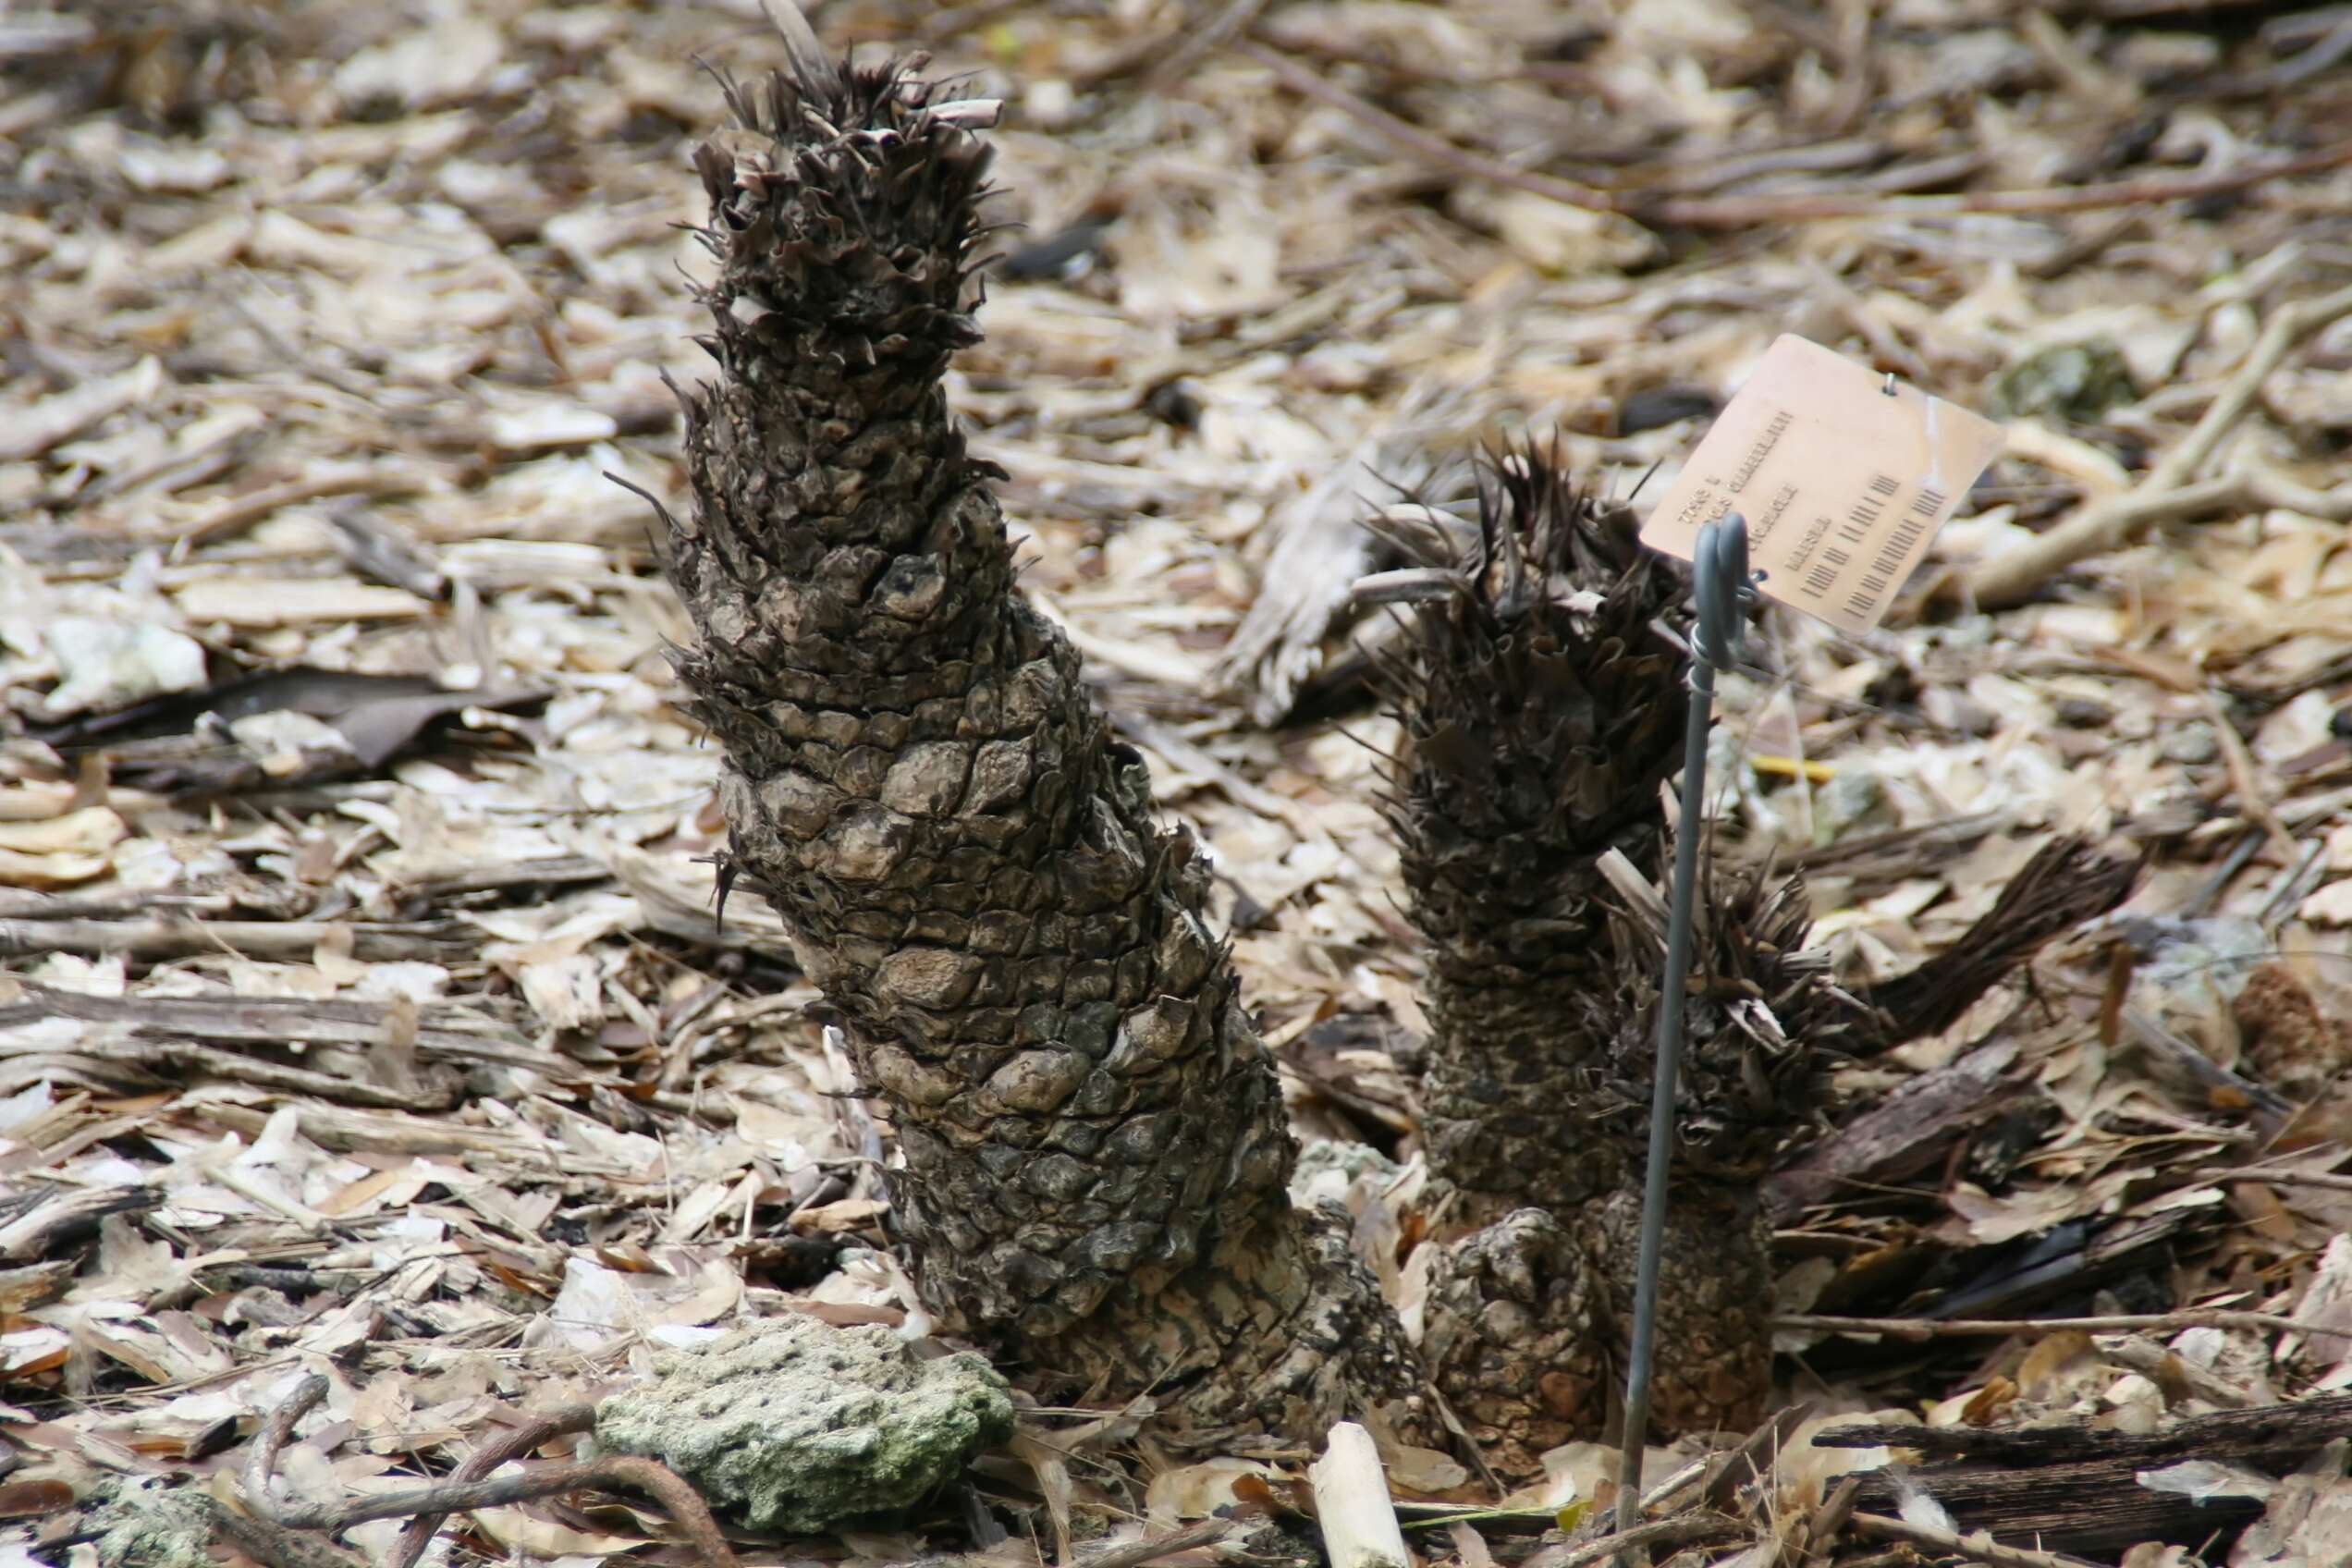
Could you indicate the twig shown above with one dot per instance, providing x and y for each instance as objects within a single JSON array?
[
  {"x": 1237, "y": 15},
  {"x": 1997, "y": 1328},
  {"x": 232, "y": 517},
  {"x": 1725, "y": 1479},
  {"x": 1679, "y": 1529},
  {"x": 1822, "y": 1525},
  {"x": 2329, "y": 1181},
  {"x": 2251, "y": 800},
  {"x": 274, "y": 1546},
  {"x": 2143, "y": 1354},
  {"x": 2265, "y": 1107},
  {"x": 262, "y": 1464},
  {"x": 484, "y": 1461},
  {"x": 1151, "y": 1549},
  {"x": 1746, "y": 212},
  {"x": 158, "y": 937},
  {"x": 686, "y": 1508},
  {"x": 1978, "y": 1548},
  {"x": 1429, "y": 148},
  {"x": 2293, "y": 885},
  {"x": 2107, "y": 524}
]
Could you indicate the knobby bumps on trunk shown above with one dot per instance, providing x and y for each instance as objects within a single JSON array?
[{"x": 1095, "y": 1152}]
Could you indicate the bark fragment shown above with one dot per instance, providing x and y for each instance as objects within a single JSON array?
[{"x": 1094, "y": 1143}]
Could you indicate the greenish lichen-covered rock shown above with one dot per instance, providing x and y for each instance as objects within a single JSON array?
[
  {"x": 2072, "y": 381},
  {"x": 155, "y": 1527},
  {"x": 791, "y": 1424}
]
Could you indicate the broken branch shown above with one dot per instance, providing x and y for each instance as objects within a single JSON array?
[
  {"x": 1681, "y": 1529},
  {"x": 2332, "y": 1182},
  {"x": 441, "y": 1499},
  {"x": 686, "y": 1508},
  {"x": 2252, "y": 799},
  {"x": 1978, "y": 1548},
  {"x": 262, "y": 1464},
  {"x": 273, "y": 1545},
  {"x": 483, "y": 1462},
  {"x": 1151, "y": 1549}
]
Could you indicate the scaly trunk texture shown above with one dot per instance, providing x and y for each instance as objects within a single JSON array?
[
  {"x": 1094, "y": 1143},
  {"x": 1542, "y": 707},
  {"x": 1518, "y": 1339}
]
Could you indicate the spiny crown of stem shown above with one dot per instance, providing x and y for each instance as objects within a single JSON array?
[
  {"x": 845, "y": 213},
  {"x": 1539, "y": 705}
]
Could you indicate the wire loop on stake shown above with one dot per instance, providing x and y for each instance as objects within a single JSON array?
[
  {"x": 1723, "y": 590},
  {"x": 1720, "y": 585}
]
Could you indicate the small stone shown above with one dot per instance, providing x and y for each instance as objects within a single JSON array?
[
  {"x": 793, "y": 1425},
  {"x": 2083, "y": 713}
]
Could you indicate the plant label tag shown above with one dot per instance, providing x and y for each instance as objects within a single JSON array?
[{"x": 1843, "y": 478}]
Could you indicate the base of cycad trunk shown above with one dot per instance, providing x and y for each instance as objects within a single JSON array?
[
  {"x": 1713, "y": 1362},
  {"x": 1517, "y": 1318},
  {"x": 1277, "y": 1334}
]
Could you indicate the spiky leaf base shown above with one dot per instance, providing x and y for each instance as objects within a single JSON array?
[
  {"x": 1763, "y": 1023},
  {"x": 1096, "y": 1149}
]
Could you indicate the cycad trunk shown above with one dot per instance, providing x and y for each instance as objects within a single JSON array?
[
  {"x": 1763, "y": 1027},
  {"x": 1095, "y": 1150}
]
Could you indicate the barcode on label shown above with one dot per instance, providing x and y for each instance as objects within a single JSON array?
[{"x": 1861, "y": 519}]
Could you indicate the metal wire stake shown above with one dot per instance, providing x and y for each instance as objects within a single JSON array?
[{"x": 1721, "y": 583}]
